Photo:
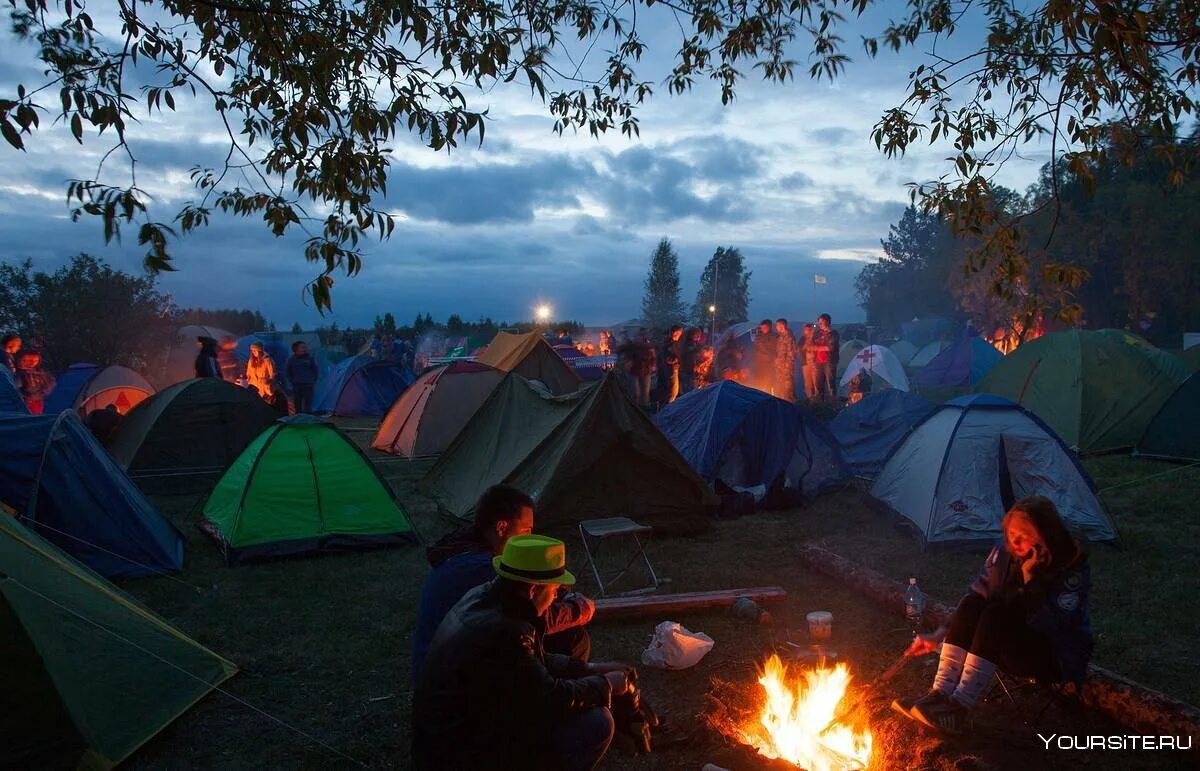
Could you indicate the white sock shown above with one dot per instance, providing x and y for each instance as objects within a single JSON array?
[
  {"x": 950, "y": 667},
  {"x": 976, "y": 677}
]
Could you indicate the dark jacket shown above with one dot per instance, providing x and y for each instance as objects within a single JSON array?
[
  {"x": 461, "y": 561},
  {"x": 301, "y": 370},
  {"x": 7, "y": 360},
  {"x": 206, "y": 361},
  {"x": 489, "y": 695},
  {"x": 1054, "y": 604}
]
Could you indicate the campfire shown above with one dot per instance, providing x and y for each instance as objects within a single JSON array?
[{"x": 804, "y": 719}]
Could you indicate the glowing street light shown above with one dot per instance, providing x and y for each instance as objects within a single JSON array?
[
  {"x": 712, "y": 309},
  {"x": 542, "y": 312}
]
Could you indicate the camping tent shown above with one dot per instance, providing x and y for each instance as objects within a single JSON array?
[
  {"x": 1174, "y": 432},
  {"x": 927, "y": 354},
  {"x": 1191, "y": 358},
  {"x": 962, "y": 363},
  {"x": 427, "y": 417},
  {"x": 532, "y": 358},
  {"x": 846, "y": 354},
  {"x": 880, "y": 363},
  {"x": 745, "y": 437},
  {"x": 361, "y": 386},
  {"x": 868, "y": 431},
  {"x": 10, "y": 397},
  {"x": 959, "y": 471},
  {"x": 904, "y": 351},
  {"x": 199, "y": 425},
  {"x": 302, "y": 487},
  {"x": 87, "y": 387},
  {"x": 181, "y": 356},
  {"x": 588, "y": 454},
  {"x": 89, "y": 674},
  {"x": 1097, "y": 390},
  {"x": 67, "y": 488}
]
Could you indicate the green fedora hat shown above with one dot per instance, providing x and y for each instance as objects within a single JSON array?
[{"x": 534, "y": 559}]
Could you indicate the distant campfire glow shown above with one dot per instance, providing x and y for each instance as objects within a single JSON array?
[{"x": 803, "y": 719}]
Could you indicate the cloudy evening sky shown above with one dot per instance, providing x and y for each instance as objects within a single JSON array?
[{"x": 788, "y": 174}]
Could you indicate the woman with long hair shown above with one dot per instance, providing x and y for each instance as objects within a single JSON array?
[{"x": 1026, "y": 614}]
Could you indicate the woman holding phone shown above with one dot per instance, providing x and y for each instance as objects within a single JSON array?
[{"x": 1026, "y": 613}]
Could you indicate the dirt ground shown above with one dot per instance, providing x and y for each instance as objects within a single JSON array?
[{"x": 324, "y": 648}]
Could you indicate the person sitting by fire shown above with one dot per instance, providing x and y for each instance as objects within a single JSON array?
[
  {"x": 491, "y": 697},
  {"x": 462, "y": 560},
  {"x": 1026, "y": 614}
]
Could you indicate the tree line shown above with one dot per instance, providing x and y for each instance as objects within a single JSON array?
[
  {"x": 723, "y": 296},
  {"x": 1121, "y": 253}
]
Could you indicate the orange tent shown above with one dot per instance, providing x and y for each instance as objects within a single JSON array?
[{"x": 431, "y": 412}]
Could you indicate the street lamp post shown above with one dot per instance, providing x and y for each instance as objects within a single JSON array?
[{"x": 712, "y": 324}]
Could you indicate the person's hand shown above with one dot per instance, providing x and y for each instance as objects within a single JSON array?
[
  {"x": 1031, "y": 564},
  {"x": 618, "y": 681},
  {"x": 925, "y": 643}
]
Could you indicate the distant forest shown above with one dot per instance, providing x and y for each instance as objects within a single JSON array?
[{"x": 1137, "y": 237}]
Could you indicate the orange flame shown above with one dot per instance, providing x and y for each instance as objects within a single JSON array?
[{"x": 798, "y": 725}]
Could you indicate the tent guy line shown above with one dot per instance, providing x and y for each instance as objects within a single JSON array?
[
  {"x": 158, "y": 572},
  {"x": 1147, "y": 478},
  {"x": 9, "y": 578}
]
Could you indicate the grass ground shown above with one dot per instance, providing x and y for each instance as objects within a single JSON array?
[{"x": 323, "y": 644}]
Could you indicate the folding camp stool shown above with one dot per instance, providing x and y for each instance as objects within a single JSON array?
[{"x": 601, "y": 530}]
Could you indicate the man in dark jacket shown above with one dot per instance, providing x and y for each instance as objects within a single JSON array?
[
  {"x": 301, "y": 372},
  {"x": 491, "y": 697},
  {"x": 462, "y": 561}
]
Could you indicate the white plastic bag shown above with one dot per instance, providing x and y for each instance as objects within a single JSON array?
[{"x": 674, "y": 647}]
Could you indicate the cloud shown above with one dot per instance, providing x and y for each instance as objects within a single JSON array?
[{"x": 832, "y": 136}]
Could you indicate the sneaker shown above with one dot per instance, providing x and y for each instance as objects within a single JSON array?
[{"x": 940, "y": 713}]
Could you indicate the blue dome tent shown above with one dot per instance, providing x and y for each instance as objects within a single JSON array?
[
  {"x": 963, "y": 363},
  {"x": 746, "y": 437},
  {"x": 956, "y": 474},
  {"x": 65, "y": 487},
  {"x": 361, "y": 386},
  {"x": 868, "y": 431}
]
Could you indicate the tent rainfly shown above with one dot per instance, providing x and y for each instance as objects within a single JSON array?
[
  {"x": 65, "y": 486},
  {"x": 531, "y": 357},
  {"x": 361, "y": 386},
  {"x": 959, "y": 471},
  {"x": 1174, "y": 432},
  {"x": 199, "y": 425},
  {"x": 303, "y": 487},
  {"x": 904, "y": 351},
  {"x": 89, "y": 674},
  {"x": 963, "y": 363},
  {"x": 588, "y": 454},
  {"x": 87, "y": 387},
  {"x": 868, "y": 431},
  {"x": 427, "y": 416},
  {"x": 927, "y": 353},
  {"x": 746, "y": 438},
  {"x": 10, "y": 397},
  {"x": 1098, "y": 390}
]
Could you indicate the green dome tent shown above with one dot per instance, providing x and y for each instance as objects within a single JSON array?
[
  {"x": 1174, "y": 433},
  {"x": 1097, "y": 390},
  {"x": 89, "y": 674},
  {"x": 302, "y": 487}
]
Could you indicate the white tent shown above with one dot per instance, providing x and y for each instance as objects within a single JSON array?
[
  {"x": 881, "y": 364},
  {"x": 959, "y": 470}
]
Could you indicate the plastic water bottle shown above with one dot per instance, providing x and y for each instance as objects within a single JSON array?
[{"x": 914, "y": 606}]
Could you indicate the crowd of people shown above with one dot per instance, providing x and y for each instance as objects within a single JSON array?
[
  {"x": 218, "y": 359},
  {"x": 771, "y": 358}
]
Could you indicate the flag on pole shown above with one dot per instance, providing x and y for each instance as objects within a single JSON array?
[{"x": 819, "y": 279}]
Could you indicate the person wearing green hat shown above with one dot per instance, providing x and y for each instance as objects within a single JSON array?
[{"x": 491, "y": 697}]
